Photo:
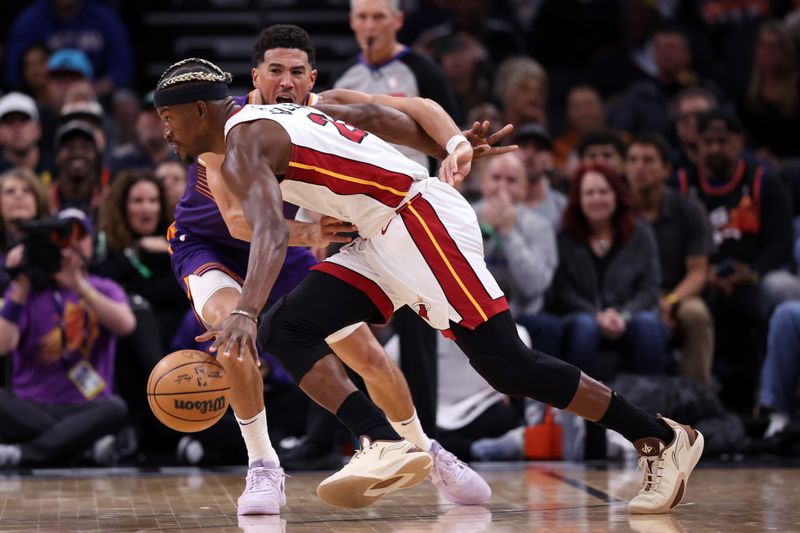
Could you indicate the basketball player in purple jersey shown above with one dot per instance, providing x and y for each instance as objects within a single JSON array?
[
  {"x": 211, "y": 265},
  {"x": 419, "y": 245}
]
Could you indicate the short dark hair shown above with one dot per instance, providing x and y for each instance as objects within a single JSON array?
[
  {"x": 283, "y": 36},
  {"x": 656, "y": 141},
  {"x": 601, "y": 138},
  {"x": 728, "y": 118}
]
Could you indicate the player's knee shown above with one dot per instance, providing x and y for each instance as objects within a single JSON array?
[
  {"x": 283, "y": 333},
  {"x": 362, "y": 352},
  {"x": 501, "y": 376}
]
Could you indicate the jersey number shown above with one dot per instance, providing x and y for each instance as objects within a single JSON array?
[{"x": 347, "y": 131}]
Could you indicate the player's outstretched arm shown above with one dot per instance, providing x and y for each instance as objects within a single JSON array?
[
  {"x": 431, "y": 117},
  {"x": 388, "y": 124},
  {"x": 254, "y": 149}
]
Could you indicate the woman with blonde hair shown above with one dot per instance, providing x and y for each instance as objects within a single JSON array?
[{"x": 22, "y": 198}]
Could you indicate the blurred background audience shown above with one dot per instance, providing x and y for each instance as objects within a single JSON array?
[{"x": 648, "y": 223}]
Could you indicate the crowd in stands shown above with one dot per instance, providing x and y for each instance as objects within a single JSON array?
[{"x": 647, "y": 224}]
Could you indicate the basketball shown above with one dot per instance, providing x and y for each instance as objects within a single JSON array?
[{"x": 188, "y": 391}]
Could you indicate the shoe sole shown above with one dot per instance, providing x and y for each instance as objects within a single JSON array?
[
  {"x": 694, "y": 458},
  {"x": 354, "y": 492},
  {"x": 260, "y": 509}
]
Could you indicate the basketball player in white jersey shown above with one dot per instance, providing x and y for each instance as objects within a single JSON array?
[{"x": 419, "y": 245}]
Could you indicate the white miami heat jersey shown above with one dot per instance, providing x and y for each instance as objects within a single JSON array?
[{"x": 336, "y": 169}]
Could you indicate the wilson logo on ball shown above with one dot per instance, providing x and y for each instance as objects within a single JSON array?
[{"x": 203, "y": 406}]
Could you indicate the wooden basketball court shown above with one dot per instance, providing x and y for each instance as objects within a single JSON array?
[{"x": 527, "y": 497}]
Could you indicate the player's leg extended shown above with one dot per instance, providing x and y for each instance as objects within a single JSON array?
[
  {"x": 295, "y": 330},
  {"x": 388, "y": 388},
  {"x": 442, "y": 229},
  {"x": 497, "y": 353},
  {"x": 214, "y": 296}
]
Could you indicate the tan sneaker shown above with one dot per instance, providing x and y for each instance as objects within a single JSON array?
[
  {"x": 666, "y": 469},
  {"x": 379, "y": 468}
]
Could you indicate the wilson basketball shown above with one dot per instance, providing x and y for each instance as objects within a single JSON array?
[{"x": 188, "y": 391}]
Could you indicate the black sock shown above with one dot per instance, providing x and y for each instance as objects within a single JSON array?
[
  {"x": 632, "y": 422},
  {"x": 361, "y": 417}
]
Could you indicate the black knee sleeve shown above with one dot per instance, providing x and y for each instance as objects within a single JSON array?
[
  {"x": 296, "y": 326},
  {"x": 496, "y": 352},
  {"x": 284, "y": 333}
]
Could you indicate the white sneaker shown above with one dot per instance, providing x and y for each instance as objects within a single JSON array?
[
  {"x": 377, "y": 469},
  {"x": 455, "y": 480},
  {"x": 265, "y": 491},
  {"x": 666, "y": 469}
]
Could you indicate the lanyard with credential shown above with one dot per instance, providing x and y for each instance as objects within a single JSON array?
[{"x": 66, "y": 361}]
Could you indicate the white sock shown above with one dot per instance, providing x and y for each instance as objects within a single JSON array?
[
  {"x": 256, "y": 438},
  {"x": 411, "y": 430}
]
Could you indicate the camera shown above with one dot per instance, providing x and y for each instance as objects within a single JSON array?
[{"x": 43, "y": 241}]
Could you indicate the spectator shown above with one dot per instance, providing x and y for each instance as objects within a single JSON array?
[
  {"x": 486, "y": 111},
  {"x": 60, "y": 401},
  {"x": 149, "y": 148},
  {"x": 465, "y": 64},
  {"x": 605, "y": 148},
  {"x": 33, "y": 72},
  {"x": 85, "y": 25},
  {"x": 476, "y": 19},
  {"x": 645, "y": 104},
  {"x": 78, "y": 169},
  {"x": 65, "y": 69},
  {"x": 20, "y": 132},
  {"x": 752, "y": 231},
  {"x": 585, "y": 114},
  {"x": 630, "y": 56},
  {"x": 781, "y": 371},
  {"x": 22, "y": 198},
  {"x": 134, "y": 222},
  {"x": 385, "y": 66},
  {"x": 519, "y": 245},
  {"x": 173, "y": 177},
  {"x": 520, "y": 85},
  {"x": 770, "y": 109},
  {"x": 536, "y": 152},
  {"x": 91, "y": 112},
  {"x": 125, "y": 108},
  {"x": 607, "y": 282},
  {"x": 686, "y": 107},
  {"x": 684, "y": 243}
]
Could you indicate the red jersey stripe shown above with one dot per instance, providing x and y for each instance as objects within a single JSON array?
[
  {"x": 362, "y": 283},
  {"x": 461, "y": 285},
  {"x": 348, "y": 177}
]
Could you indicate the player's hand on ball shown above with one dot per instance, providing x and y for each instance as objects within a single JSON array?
[{"x": 234, "y": 337}]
